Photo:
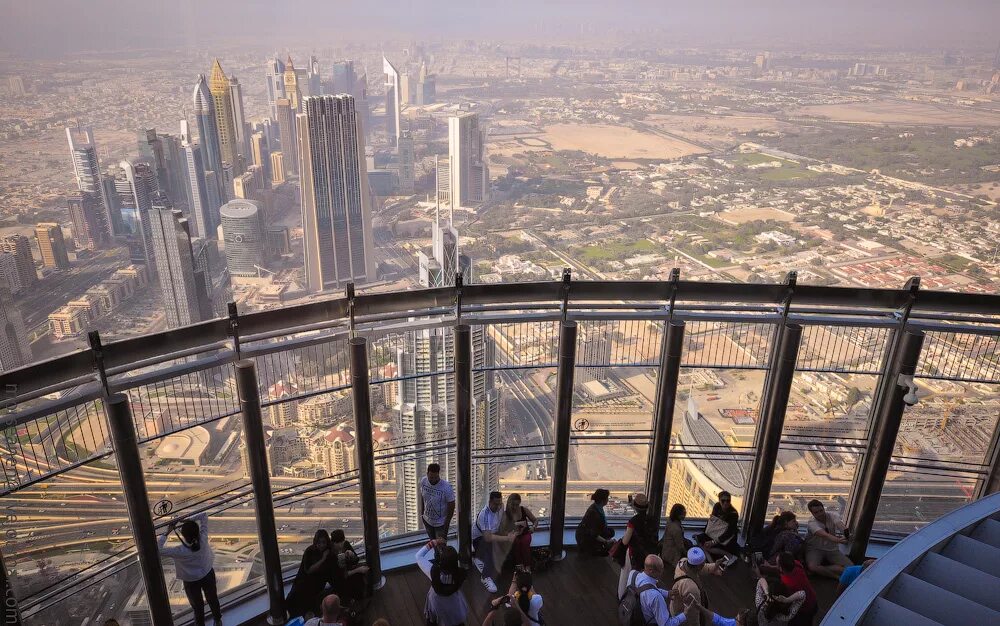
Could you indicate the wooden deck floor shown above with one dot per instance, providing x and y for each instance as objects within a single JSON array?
[{"x": 577, "y": 591}]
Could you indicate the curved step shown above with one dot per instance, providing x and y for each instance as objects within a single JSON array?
[
  {"x": 938, "y": 604},
  {"x": 960, "y": 579},
  {"x": 886, "y": 613},
  {"x": 977, "y": 554},
  {"x": 988, "y": 531}
]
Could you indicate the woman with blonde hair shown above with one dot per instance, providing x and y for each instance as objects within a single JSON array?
[{"x": 521, "y": 521}]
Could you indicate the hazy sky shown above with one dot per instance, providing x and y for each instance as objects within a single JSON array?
[{"x": 56, "y": 27}]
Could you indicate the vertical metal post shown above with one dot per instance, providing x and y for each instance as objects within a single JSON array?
[
  {"x": 11, "y": 614},
  {"x": 889, "y": 416},
  {"x": 137, "y": 499},
  {"x": 260, "y": 477},
  {"x": 564, "y": 417},
  {"x": 463, "y": 427},
  {"x": 666, "y": 397},
  {"x": 361, "y": 394},
  {"x": 771, "y": 424}
]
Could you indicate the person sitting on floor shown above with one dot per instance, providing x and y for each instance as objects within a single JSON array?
[
  {"x": 793, "y": 577},
  {"x": 485, "y": 537},
  {"x": 593, "y": 537},
  {"x": 825, "y": 533},
  {"x": 349, "y": 578},
  {"x": 851, "y": 574},
  {"x": 315, "y": 571},
  {"x": 653, "y": 598},
  {"x": 521, "y": 521},
  {"x": 720, "y": 536}
]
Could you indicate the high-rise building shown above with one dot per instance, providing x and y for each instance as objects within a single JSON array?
[
  {"x": 15, "y": 87},
  {"x": 151, "y": 152},
  {"x": 208, "y": 133},
  {"x": 240, "y": 126},
  {"x": 467, "y": 180},
  {"x": 275, "y": 83},
  {"x": 250, "y": 184},
  {"x": 344, "y": 78},
  {"x": 406, "y": 162},
  {"x": 198, "y": 199},
  {"x": 393, "y": 101},
  {"x": 289, "y": 140},
  {"x": 87, "y": 171},
  {"x": 243, "y": 231},
  {"x": 426, "y": 86},
  {"x": 222, "y": 99},
  {"x": 314, "y": 79},
  {"x": 51, "y": 245},
  {"x": 20, "y": 247},
  {"x": 175, "y": 260},
  {"x": 292, "y": 91},
  {"x": 15, "y": 351},
  {"x": 277, "y": 168},
  {"x": 9, "y": 276},
  {"x": 136, "y": 184},
  {"x": 261, "y": 155},
  {"x": 90, "y": 230},
  {"x": 336, "y": 209}
]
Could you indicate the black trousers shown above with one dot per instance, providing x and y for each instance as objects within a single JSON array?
[{"x": 194, "y": 592}]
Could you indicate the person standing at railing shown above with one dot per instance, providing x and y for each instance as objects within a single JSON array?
[
  {"x": 436, "y": 502},
  {"x": 193, "y": 562}
]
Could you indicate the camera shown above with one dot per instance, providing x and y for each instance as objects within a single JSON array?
[{"x": 906, "y": 380}]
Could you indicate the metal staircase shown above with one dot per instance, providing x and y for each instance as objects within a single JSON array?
[{"x": 946, "y": 573}]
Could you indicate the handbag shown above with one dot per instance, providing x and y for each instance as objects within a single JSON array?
[
  {"x": 716, "y": 527},
  {"x": 618, "y": 553}
]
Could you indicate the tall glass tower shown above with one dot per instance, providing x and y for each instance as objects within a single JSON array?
[
  {"x": 208, "y": 130},
  {"x": 336, "y": 207}
]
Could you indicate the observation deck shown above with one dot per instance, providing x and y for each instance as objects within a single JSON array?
[{"x": 325, "y": 415}]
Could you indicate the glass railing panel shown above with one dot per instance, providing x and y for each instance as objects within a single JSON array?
[
  {"x": 301, "y": 372},
  {"x": 914, "y": 497},
  {"x": 961, "y": 356},
  {"x": 67, "y": 528},
  {"x": 51, "y": 443},
  {"x": 302, "y": 508},
  {"x": 118, "y": 594},
  {"x": 953, "y": 424},
  {"x": 727, "y": 345},
  {"x": 695, "y": 479},
  {"x": 620, "y": 467},
  {"x": 716, "y": 409},
  {"x": 813, "y": 472},
  {"x": 184, "y": 401}
]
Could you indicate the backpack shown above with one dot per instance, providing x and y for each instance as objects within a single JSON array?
[{"x": 629, "y": 607}]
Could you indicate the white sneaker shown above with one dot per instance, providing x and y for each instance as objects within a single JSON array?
[
  {"x": 479, "y": 564},
  {"x": 489, "y": 584}
]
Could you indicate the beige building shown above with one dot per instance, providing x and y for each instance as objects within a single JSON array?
[
  {"x": 277, "y": 168},
  {"x": 68, "y": 321},
  {"x": 51, "y": 245}
]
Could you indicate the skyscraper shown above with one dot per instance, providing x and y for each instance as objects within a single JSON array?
[
  {"x": 336, "y": 210},
  {"x": 222, "y": 99},
  {"x": 392, "y": 101},
  {"x": 277, "y": 168},
  {"x": 292, "y": 91},
  {"x": 86, "y": 211},
  {"x": 51, "y": 245},
  {"x": 406, "y": 162},
  {"x": 468, "y": 173},
  {"x": 314, "y": 77},
  {"x": 200, "y": 208},
  {"x": 175, "y": 260},
  {"x": 20, "y": 247},
  {"x": 240, "y": 126},
  {"x": 151, "y": 151},
  {"x": 87, "y": 170},
  {"x": 289, "y": 139},
  {"x": 208, "y": 134},
  {"x": 136, "y": 184},
  {"x": 344, "y": 78},
  {"x": 15, "y": 351},
  {"x": 261, "y": 155},
  {"x": 275, "y": 83},
  {"x": 243, "y": 232}
]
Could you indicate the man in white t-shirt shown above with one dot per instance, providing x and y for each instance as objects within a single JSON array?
[
  {"x": 485, "y": 533},
  {"x": 825, "y": 533},
  {"x": 436, "y": 502}
]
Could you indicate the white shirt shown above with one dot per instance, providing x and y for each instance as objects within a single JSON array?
[
  {"x": 832, "y": 525},
  {"x": 654, "y": 601},
  {"x": 534, "y": 607},
  {"x": 191, "y": 566},
  {"x": 436, "y": 499},
  {"x": 486, "y": 522}
]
